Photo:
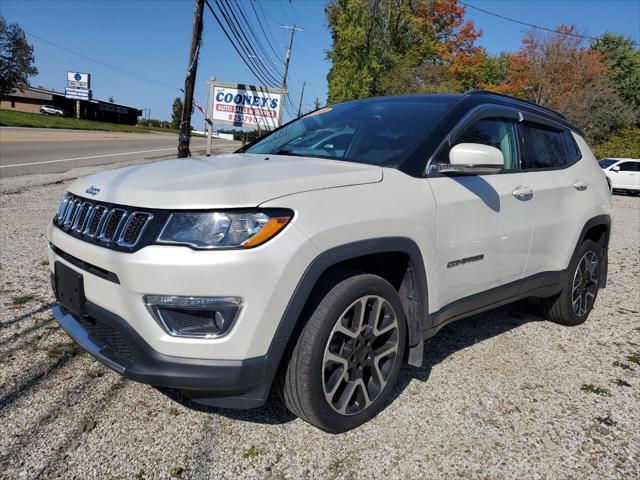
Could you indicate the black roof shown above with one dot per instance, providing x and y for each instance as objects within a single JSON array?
[{"x": 475, "y": 97}]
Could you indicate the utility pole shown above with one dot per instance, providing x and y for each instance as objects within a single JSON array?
[
  {"x": 190, "y": 80},
  {"x": 301, "y": 96},
  {"x": 293, "y": 29}
]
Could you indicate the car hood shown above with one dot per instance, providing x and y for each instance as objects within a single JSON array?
[{"x": 222, "y": 181}]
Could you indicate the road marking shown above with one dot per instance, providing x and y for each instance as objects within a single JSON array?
[{"x": 87, "y": 158}]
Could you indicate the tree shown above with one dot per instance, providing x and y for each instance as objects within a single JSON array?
[
  {"x": 110, "y": 99},
  {"x": 556, "y": 70},
  {"x": 16, "y": 58},
  {"x": 176, "y": 113},
  {"x": 622, "y": 57},
  {"x": 316, "y": 103},
  {"x": 399, "y": 46}
]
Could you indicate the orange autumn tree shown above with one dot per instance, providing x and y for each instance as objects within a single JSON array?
[{"x": 558, "y": 71}]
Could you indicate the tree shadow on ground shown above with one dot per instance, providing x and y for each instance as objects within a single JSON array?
[{"x": 452, "y": 338}]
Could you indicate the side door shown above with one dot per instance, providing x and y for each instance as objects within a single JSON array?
[
  {"x": 626, "y": 175},
  {"x": 484, "y": 221},
  {"x": 563, "y": 186}
]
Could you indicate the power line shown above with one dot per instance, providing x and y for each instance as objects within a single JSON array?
[
  {"x": 241, "y": 54},
  {"x": 528, "y": 24},
  {"x": 99, "y": 62},
  {"x": 263, "y": 31},
  {"x": 245, "y": 43}
]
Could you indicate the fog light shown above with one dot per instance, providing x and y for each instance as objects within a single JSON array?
[{"x": 194, "y": 317}]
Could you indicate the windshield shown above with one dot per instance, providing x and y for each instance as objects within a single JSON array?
[
  {"x": 607, "y": 162},
  {"x": 379, "y": 131}
]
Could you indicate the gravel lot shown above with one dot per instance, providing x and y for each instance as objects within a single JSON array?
[{"x": 502, "y": 395}]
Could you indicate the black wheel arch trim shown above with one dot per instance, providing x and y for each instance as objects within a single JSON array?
[
  {"x": 598, "y": 220},
  {"x": 329, "y": 258},
  {"x": 349, "y": 251}
]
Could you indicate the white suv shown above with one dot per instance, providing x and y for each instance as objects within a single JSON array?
[
  {"x": 320, "y": 270},
  {"x": 623, "y": 174},
  {"x": 52, "y": 110}
]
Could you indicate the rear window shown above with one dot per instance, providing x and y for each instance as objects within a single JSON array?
[{"x": 543, "y": 147}]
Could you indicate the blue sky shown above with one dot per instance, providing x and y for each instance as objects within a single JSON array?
[{"x": 151, "y": 38}]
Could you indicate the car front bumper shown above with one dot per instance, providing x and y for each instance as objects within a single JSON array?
[{"x": 224, "y": 383}]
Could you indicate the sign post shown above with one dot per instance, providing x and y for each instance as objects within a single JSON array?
[
  {"x": 78, "y": 88},
  {"x": 243, "y": 106}
]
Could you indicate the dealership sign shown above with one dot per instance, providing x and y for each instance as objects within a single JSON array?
[
  {"x": 78, "y": 86},
  {"x": 245, "y": 105}
]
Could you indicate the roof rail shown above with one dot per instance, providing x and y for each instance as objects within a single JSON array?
[{"x": 533, "y": 104}]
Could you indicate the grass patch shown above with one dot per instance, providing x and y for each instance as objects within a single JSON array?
[
  {"x": 173, "y": 411},
  {"x": 253, "y": 452},
  {"x": 176, "y": 471},
  {"x": 44, "y": 262},
  {"x": 10, "y": 118},
  {"x": 608, "y": 421},
  {"x": 22, "y": 299},
  {"x": 634, "y": 358},
  {"x": 590, "y": 388},
  {"x": 624, "y": 366},
  {"x": 63, "y": 350},
  {"x": 622, "y": 383},
  {"x": 139, "y": 475}
]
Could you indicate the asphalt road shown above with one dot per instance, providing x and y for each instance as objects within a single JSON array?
[{"x": 45, "y": 150}]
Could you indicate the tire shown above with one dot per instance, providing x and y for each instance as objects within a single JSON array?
[
  {"x": 573, "y": 305},
  {"x": 330, "y": 379}
]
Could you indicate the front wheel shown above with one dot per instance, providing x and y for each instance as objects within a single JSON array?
[
  {"x": 348, "y": 355},
  {"x": 573, "y": 305}
]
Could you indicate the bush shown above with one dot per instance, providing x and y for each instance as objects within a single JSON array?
[{"x": 625, "y": 144}]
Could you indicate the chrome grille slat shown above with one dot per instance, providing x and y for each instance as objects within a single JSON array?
[
  {"x": 69, "y": 215},
  {"x": 134, "y": 228},
  {"x": 111, "y": 226},
  {"x": 81, "y": 216}
]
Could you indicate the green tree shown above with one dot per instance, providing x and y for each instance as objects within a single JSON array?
[
  {"x": 399, "y": 46},
  {"x": 176, "y": 113},
  {"x": 16, "y": 58},
  {"x": 622, "y": 57},
  {"x": 355, "y": 65}
]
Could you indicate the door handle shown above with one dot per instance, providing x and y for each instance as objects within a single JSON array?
[
  {"x": 522, "y": 192},
  {"x": 580, "y": 185}
]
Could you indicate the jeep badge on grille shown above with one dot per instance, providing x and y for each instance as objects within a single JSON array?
[{"x": 92, "y": 190}]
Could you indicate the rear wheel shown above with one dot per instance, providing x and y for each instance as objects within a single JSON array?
[
  {"x": 347, "y": 357},
  {"x": 573, "y": 305}
]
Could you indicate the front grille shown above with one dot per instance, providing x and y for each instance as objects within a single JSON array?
[
  {"x": 111, "y": 342},
  {"x": 117, "y": 227}
]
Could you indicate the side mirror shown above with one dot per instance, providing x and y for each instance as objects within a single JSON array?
[
  {"x": 473, "y": 158},
  {"x": 476, "y": 157},
  {"x": 615, "y": 169}
]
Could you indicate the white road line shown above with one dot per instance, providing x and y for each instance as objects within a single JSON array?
[{"x": 87, "y": 158}]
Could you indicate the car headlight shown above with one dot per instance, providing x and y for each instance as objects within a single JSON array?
[{"x": 211, "y": 230}]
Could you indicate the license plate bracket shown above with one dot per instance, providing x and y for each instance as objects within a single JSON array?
[{"x": 69, "y": 288}]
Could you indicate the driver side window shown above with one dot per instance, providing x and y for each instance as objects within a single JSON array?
[{"x": 495, "y": 132}]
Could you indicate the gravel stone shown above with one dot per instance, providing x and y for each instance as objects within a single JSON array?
[{"x": 499, "y": 395}]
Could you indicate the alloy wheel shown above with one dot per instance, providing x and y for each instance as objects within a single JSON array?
[
  {"x": 360, "y": 355},
  {"x": 585, "y": 283}
]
